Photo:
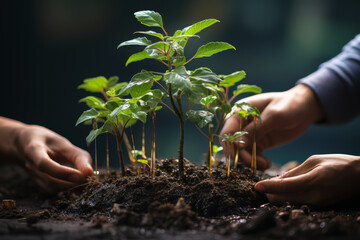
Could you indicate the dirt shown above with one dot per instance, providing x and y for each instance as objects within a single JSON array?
[{"x": 163, "y": 207}]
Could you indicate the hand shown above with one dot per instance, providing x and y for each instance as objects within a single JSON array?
[
  {"x": 320, "y": 180},
  {"x": 43, "y": 152},
  {"x": 286, "y": 115}
]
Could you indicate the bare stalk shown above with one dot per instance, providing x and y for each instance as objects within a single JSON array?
[
  {"x": 152, "y": 169},
  {"x": 143, "y": 142},
  {"x": 94, "y": 125},
  {"x": 228, "y": 163},
  {"x": 136, "y": 168},
  {"x": 120, "y": 153},
  {"x": 107, "y": 155},
  {"x": 253, "y": 155},
  {"x": 210, "y": 148},
  {"x": 237, "y": 149}
]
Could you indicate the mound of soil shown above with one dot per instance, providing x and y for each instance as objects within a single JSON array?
[{"x": 163, "y": 207}]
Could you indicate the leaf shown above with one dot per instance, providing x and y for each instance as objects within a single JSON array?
[
  {"x": 199, "y": 26},
  {"x": 245, "y": 88},
  {"x": 106, "y": 127},
  {"x": 212, "y": 48},
  {"x": 96, "y": 84},
  {"x": 111, "y": 105},
  {"x": 204, "y": 75},
  {"x": 87, "y": 115},
  {"x": 158, "y": 108},
  {"x": 231, "y": 79},
  {"x": 141, "y": 82},
  {"x": 178, "y": 60},
  {"x": 93, "y": 102},
  {"x": 143, "y": 161},
  {"x": 152, "y": 33},
  {"x": 226, "y": 108},
  {"x": 164, "y": 46},
  {"x": 140, "y": 41},
  {"x": 247, "y": 110},
  {"x": 178, "y": 80},
  {"x": 118, "y": 110},
  {"x": 181, "y": 37},
  {"x": 216, "y": 148},
  {"x": 149, "y": 18},
  {"x": 239, "y": 134},
  {"x": 137, "y": 57},
  {"x": 178, "y": 48},
  {"x": 200, "y": 117},
  {"x": 155, "y": 53},
  {"x": 112, "y": 81},
  {"x": 207, "y": 100},
  {"x": 140, "y": 115}
]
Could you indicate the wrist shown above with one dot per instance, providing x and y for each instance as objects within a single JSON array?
[{"x": 309, "y": 101}]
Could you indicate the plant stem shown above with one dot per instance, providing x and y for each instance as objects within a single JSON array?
[
  {"x": 210, "y": 148},
  {"x": 107, "y": 155},
  {"x": 134, "y": 156},
  {"x": 120, "y": 153},
  {"x": 94, "y": 125},
  {"x": 182, "y": 134},
  {"x": 143, "y": 142},
  {"x": 152, "y": 169},
  {"x": 237, "y": 149},
  {"x": 228, "y": 163},
  {"x": 253, "y": 155}
]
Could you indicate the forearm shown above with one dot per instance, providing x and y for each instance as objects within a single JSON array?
[
  {"x": 337, "y": 84},
  {"x": 9, "y": 132}
]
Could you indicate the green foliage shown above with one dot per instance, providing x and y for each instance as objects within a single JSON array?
[
  {"x": 247, "y": 110},
  {"x": 212, "y": 48},
  {"x": 198, "y": 95}
]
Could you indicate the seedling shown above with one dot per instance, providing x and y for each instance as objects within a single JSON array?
[{"x": 123, "y": 104}]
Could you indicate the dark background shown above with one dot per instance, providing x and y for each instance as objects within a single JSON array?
[{"x": 49, "y": 46}]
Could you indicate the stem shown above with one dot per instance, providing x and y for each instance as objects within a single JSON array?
[
  {"x": 119, "y": 151},
  {"x": 201, "y": 131},
  {"x": 237, "y": 150},
  {"x": 128, "y": 146},
  {"x": 152, "y": 170},
  {"x": 210, "y": 148},
  {"x": 134, "y": 156},
  {"x": 143, "y": 142},
  {"x": 228, "y": 164},
  {"x": 168, "y": 107},
  {"x": 94, "y": 125},
  {"x": 182, "y": 134},
  {"x": 189, "y": 61},
  {"x": 106, "y": 97},
  {"x": 107, "y": 155},
  {"x": 160, "y": 85},
  {"x": 253, "y": 155}
]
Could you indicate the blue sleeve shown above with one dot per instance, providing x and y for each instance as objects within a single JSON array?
[{"x": 337, "y": 84}]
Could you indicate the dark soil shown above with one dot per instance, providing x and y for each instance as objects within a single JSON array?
[{"x": 163, "y": 207}]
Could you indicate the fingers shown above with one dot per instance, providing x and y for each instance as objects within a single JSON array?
[
  {"x": 38, "y": 156},
  {"x": 285, "y": 185}
]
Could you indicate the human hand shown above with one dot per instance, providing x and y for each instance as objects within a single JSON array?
[
  {"x": 286, "y": 115},
  {"x": 320, "y": 180},
  {"x": 43, "y": 152}
]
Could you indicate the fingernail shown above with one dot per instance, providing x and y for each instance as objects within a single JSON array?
[{"x": 259, "y": 187}]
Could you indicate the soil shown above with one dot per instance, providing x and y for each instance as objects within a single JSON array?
[{"x": 163, "y": 207}]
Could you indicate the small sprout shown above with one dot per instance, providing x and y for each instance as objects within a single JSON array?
[{"x": 145, "y": 162}]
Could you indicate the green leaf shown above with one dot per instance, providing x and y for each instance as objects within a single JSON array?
[
  {"x": 144, "y": 161},
  {"x": 139, "y": 115},
  {"x": 204, "y": 75},
  {"x": 112, "y": 81},
  {"x": 158, "y": 108},
  {"x": 152, "y": 33},
  {"x": 239, "y": 134},
  {"x": 139, "y": 84},
  {"x": 212, "y": 48},
  {"x": 200, "y": 117},
  {"x": 93, "y": 102},
  {"x": 136, "y": 153},
  {"x": 111, "y": 105},
  {"x": 137, "y": 57},
  {"x": 140, "y": 41},
  {"x": 178, "y": 60},
  {"x": 207, "y": 100},
  {"x": 118, "y": 110},
  {"x": 179, "y": 80},
  {"x": 181, "y": 37},
  {"x": 87, "y": 115},
  {"x": 199, "y": 26},
  {"x": 96, "y": 84},
  {"x": 149, "y": 18},
  {"x": 231, "y": 79},
  {"x": 245, "y": 88},
  {"x": 178, "y": 48},
  {"x": 216, "y": 148},
  {"x": 247, "y": 110},
  {"x": 164, "y": 46},
  {"x": 226, "y": 108},
  {"x": 106, "y": 127}
]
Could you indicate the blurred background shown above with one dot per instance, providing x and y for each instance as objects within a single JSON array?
[{"x": 49, "y": 47}]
